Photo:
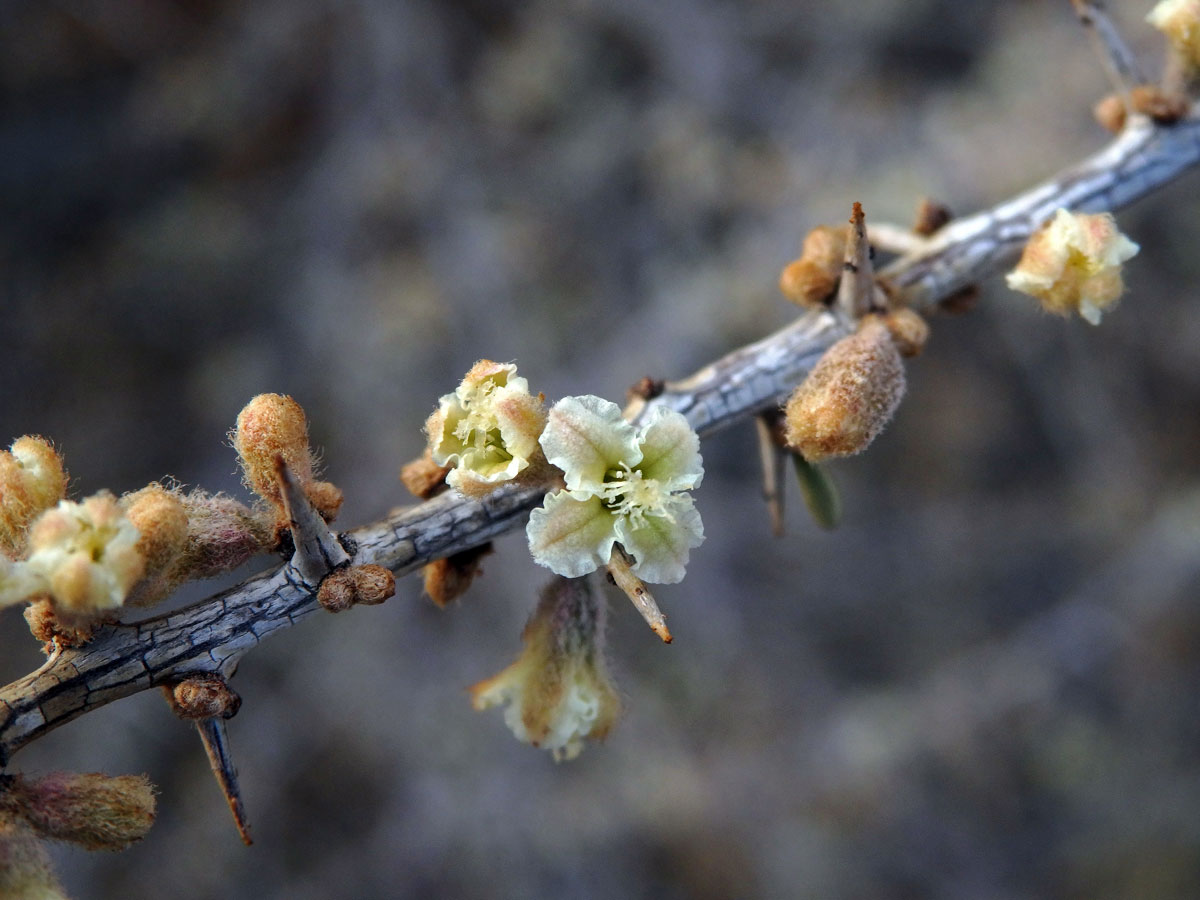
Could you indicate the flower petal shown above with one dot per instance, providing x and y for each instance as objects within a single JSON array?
[
  {"x": 570, "y": 536},
  {"x": 585, "y": 437},
  {"x": 658, "y": 545},
  {"x": 670, "y": 450}
]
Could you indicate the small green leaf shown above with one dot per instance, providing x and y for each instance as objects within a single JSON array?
[{"x": 820, "y": 493}]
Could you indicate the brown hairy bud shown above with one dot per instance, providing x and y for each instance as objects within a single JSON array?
[
  {"x": 931, "y": 217},
  {"x": 368, "y": 585},
  {"x": 25, "y": 872},
  {"x": 423, "y": 477},
  {"x": 61, "y": 628},
  {"x": 203, "y": 697},
  {"x": 1148, "y": 99},
  {"x": 274, "y": 425},
  {"x": 448, "y": 579},
  {"x": 32, "y": 479},
  {"x": 160, "y": 517},
  {"x": 908, "y": 330},
  {"x": 97, "y": 812},
  {"x": 849, "y": 396},
  {"x": 810, "y": 280}
]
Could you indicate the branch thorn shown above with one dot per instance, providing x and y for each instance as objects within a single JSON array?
[
  {"x": 317, "y": 549},
  {"x": 623, "y": 577}
]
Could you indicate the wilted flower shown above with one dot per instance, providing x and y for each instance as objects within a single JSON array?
[
  {"x": 558, "y": 691},
  {"x": 84, "y": 555},
  {"x": 487, "y": 429},
  {"x": 623, "y": 485},
  {"x": 1074, "y": 263}
]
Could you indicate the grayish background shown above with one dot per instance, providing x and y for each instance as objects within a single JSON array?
[{"x": 982, "y": 686}]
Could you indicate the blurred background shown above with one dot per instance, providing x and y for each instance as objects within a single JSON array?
[{"x": 983, "y": 685}]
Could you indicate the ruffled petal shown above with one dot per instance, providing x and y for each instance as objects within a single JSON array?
[
  {"x": 570, "y": 536},
  {"x": 659, "y": 546},
  {"x": 585, "y": 437},
  {"x": 670, "y": 450}
]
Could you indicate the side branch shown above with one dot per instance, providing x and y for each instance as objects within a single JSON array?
[{"x": 212, "y": 635}]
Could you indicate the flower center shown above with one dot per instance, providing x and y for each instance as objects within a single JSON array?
[{"x": 627, "y": 493}]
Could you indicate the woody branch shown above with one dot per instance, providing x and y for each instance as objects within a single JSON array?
[{"x": 211, "y": 636}]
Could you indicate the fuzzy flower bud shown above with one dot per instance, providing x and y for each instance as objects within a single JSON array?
[
  {"x": 25, "y": 872},
  {"x": 810, "y": 280},
  {"x": 624, "y": 485},
  {"x": 849, "y": 396},
  {"x": 32, "y": 479},
  {"x": 84, "y": 555},
  {"x": 487, "y": 429},
  {"x": 558, "y": 692},
  {"x": 222, "y": 534},
  {"x": 1073, "y": 263},
  {"x": 1179, "y": 20},
  {"x": 97, "y": 812},
  {"x": 160, "y": 518},
  {"x": 274, "y": 425}
]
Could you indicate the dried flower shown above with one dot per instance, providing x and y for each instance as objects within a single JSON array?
[
  {"x": 487, "y": 429},
  {"x": 849, "y": 396},
  {"x": 558, "y": 691},
  {"x": 32, "y": 479},
  {"x": 623, "y": 485},
  {"x": 1179, "y": 20},
  {"x": 84, "y": 555},
  {"x": 1073, "y": 263}
]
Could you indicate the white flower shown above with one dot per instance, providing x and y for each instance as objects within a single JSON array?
[
  {"x": 487, "y": 429},
  {"x": 623, "y": 486},
  {"x": 1073, "y": 263},
  {"x": 84, "y": 555}
]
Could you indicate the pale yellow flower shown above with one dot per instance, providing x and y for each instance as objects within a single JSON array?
[
  {"x": 487, "y": 429},
  {"x": 624, "y": 485},
  {"x": 84, "y": 555},
  {"x": 1073, "y": 264}
]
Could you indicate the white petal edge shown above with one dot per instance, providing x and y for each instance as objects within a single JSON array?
[
  {"x": 585, "y": 437},
  {"x": 660, "y": 547},
  {"x": 570, "y": 536},
  {"x": 670, "y": 450}
]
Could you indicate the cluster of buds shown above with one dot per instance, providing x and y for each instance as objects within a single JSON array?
[{"x": 811, "y": 280}]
